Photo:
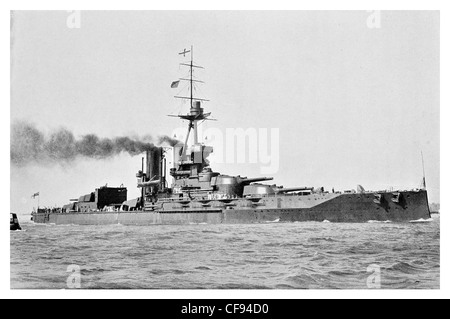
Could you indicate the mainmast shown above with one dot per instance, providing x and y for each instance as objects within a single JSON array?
[
  {"x": 191, "y": 74},
  {"x": 192, "y": 94}
]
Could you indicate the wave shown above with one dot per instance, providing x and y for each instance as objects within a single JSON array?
[
  {"x": 210, "y": 232},
  {"x": 419, "y": 221},
  {"x": 233, "y": 239},
  {"x": 379, "y": 222},
  {"x": 274, "y": 221},
  {"x": 89, "y": 271},
  {"x": 305, "y": 281},
  {"x": 405, "y": 268},
  {"x": 318, "y": 239},
  {"x": 202, "y": 268},
  {"x": 19, "y": 230},
  {"x": 241, "y": 286},
  {"x": 346, "y": 273},
  {"x": 164, "y": 237}
]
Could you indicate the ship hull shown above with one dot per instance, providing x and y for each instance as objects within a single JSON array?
[{"x": 346, "y": 208}]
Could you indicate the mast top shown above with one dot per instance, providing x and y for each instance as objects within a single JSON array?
[
  {"x": 196, "y": 111},
  {"x": 184, "y": 52}
]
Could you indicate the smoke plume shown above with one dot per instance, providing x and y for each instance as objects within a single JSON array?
[
  {"x": 167, "y": 139},
  {"x": 31, "y": 146}
]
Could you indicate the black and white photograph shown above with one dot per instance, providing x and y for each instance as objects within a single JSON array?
[{"x": 237, "y": 150}]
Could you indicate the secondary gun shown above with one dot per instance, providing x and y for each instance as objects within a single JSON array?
[{"x": 282, "y": 190}]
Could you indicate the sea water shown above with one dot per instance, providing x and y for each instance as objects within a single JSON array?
[{"x": 306, "y": 255}]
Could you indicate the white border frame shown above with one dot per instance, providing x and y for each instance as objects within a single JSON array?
[{"x": 5, "y": 291}]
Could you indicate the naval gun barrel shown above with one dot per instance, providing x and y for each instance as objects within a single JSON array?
[
  {"x": 247, "y": 181},
  {"x": 292, "y": 189},
  {"x": 149, "y": 183}
]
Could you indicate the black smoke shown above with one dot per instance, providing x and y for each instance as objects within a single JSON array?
[
  {"x": 31, "y": 146},
  {"x": 169, "y": 140}
]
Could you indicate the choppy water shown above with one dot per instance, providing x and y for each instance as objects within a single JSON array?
[{"x": 274, "y": 256}]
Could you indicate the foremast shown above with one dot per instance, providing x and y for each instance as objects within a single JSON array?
[{"x": 195, "y": 115}]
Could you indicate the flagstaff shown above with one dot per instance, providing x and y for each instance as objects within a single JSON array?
[
  {"x": 34, "y": 197},
  {"x": 423, "y": 171}
]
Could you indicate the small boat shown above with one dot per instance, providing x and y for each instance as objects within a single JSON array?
[{"x": 14, "y": 222}]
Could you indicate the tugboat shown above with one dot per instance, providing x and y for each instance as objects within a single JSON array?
[
  {"x": 14, "y": 222},
  {"x": 199, "y": 195}
]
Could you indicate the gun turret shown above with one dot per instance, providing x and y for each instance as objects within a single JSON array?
[
  {"x": 234, "y": 185},
  {"x": 283, "y": 190},
  {"x": 149, "y": 183}
]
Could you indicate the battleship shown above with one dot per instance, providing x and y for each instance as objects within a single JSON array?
[{"x": 199, "y": 195}]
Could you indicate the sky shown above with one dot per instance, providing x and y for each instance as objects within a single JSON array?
[{"x": 353, "y": 104}]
